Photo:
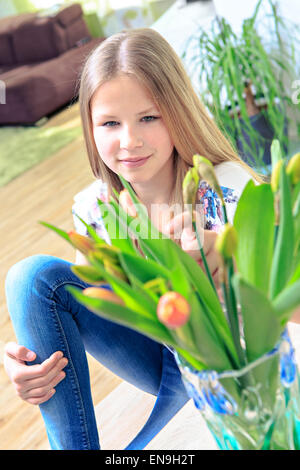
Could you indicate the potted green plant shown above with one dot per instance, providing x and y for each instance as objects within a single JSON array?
[
  {"x": 233, "y": 349},
  {"x": 246, "y": 81}
]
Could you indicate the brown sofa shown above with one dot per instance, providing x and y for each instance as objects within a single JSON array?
[{"x": 40, "y": 61}]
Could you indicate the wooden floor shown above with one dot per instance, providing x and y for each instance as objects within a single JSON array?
[{"x": 43, "y": 193}]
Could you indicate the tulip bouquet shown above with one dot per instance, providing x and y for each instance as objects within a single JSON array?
[{"x": 145, "y": 281}]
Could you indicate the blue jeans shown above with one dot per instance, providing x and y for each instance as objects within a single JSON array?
[{"x": 46, "y": 318}]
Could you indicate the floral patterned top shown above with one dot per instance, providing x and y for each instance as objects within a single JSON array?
[
  {"x": 232, "y": 178},
  {"x": 211, "y": 205}
]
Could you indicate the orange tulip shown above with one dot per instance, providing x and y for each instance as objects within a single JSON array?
[
  {"x": 82, "y": 243},
  {"x": 173, "y": 310},
  {"x": 104, "y": 294}
]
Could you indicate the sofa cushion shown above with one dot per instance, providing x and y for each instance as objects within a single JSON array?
[
  {"x": 41, "y": 36},
  {"x": 77, "y": 32},
  {"x": 36, "y": 90},
  {"x": 67, "y": 37},
  {"x": 7, "y": 26},
  {"x": 33, "y": 41},
  {"x": 69, "y": 14},
  {"x": 7, "y": 56},
  {"x": 60, "y": 38}
]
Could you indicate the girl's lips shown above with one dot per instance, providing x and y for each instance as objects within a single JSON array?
[{"x": 134, "y": 163}]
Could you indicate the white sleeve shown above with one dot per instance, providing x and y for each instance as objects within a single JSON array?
[
  {"x": 232, "y": 178},
  {"x": 232, "y": 175},
  {"x": 87, "y": 208}
]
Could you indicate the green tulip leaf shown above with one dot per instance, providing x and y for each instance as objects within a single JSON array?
[
  {"x": 296, "y": 274},
  {"x": 284, "y": 248},
  {"x": 260, "y": 323},
  {"x": 154, "y": 244},
  {"x": 127, "y": 225},
  {"x": 296, "y": 198},
  {"x": 276, "y": 153},
  {"x": 60, "y": 232},
  {"x": 140, "y": 301},
  {"x": 180, "y": 282},
  {"x": 117, "y": 231},
  {"x": 207, "y": 296},
  {"x": 255, "y": 234},
  {"x": 287, "y": 301},
  {"x": 87, "y": 274},
  {"x": 208, "y": 343},
  {"x": 91, "y": 231},
  {"x": 124, "y": 316},
  {"x": 144, "y": 269}
]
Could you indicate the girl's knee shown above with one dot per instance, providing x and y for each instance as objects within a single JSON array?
[
  {"x": 29, "y": 283},
  {"x": 26, "y": 268},
  {"x": 26, "y": 272}
]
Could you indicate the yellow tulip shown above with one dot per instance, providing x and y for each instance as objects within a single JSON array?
[
  {"x": 115, "y": 270},
  {"x": 226, "y": 242},
  {"x": 108, "y": 252},
  {"x": 190, "y": 187},
  {"x": 275, "y": 176},
  {"x": 293, "y": 169}
]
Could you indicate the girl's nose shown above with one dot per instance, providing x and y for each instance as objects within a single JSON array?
[{"x": 130, "y": 140}]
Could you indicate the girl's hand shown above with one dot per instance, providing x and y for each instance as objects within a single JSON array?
[
  {"x": 180, "y": 227},
  {"x": 33, "y": 384},
  {"x": 296, "y": 315}
]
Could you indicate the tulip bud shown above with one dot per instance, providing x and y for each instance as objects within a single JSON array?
[
  {"x": 108, "y": 252},
  {"x": 293, "y": 169},
  {"x": 87, "y": 274},
  {"x": 189, "y": 189},
  {"x": 197, "y": 160},
  {"x": 104, "y": 294},
  {"x": 157, "y": 285},
  {"x": 226, "y": 242},
  {"x": 82, "y": 243},
  {"x": 115, "y": 270},
  {"x": 95, "y": 256},
  {"x": 276, "y": 176},
  {"x": 206, "y": 172},
  {"x": 173, "y": 310},
  {"x": 126, "y": 203}
]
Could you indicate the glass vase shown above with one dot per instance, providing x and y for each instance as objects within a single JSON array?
[{"x": 254, "y": 408}]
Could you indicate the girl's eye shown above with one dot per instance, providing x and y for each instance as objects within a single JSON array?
[
  {"x": 149, "y": 118},
  {"x": 115, "y": 123},
  {"x": 110, "y": 124}
]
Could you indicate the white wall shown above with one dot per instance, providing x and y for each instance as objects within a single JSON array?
[
  {"x": 6, "y": 8},
  {"x": 235, "y": 11}
]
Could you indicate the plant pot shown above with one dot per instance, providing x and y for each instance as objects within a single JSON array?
[{"x": 255, "y": 408}]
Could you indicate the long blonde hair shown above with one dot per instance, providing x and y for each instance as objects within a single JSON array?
[{"x": 146, "y": 55}]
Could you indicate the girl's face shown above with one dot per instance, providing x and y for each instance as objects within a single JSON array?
[{"x": 129, "y": 132}]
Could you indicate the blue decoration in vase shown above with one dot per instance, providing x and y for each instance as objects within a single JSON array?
[
  {"x": 288, "y": 367},
  {"x": 195, "y": 395},
  {"x": 215, "y": 395}
]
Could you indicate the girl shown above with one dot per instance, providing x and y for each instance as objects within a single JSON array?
[{"x": 142, "y": 119}]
